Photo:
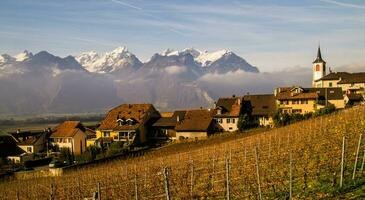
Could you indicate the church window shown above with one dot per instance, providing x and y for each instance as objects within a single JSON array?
[{"x": 317, "y": 68}]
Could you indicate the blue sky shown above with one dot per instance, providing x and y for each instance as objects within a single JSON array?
[{"x": 270, "y": 34}]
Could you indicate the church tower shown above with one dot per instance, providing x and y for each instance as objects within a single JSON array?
[{"x": 319, "y": 67}]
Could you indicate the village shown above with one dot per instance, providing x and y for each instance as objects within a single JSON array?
[{"x": 130, "y": 127}]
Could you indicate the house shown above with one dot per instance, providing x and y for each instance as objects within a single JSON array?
[
  {"x": 352, "y": 99},
  {"x": 227, "y": 113},
  {"x": 32, "y": 141},
  {"x": 10, "y": 151},
  {"x": 130, "y": 123},
  {"x": 165, "y": 126},
  {"x": 69, "y": 134},
  {"x": 196, "y": 124},
  {"x": 349, "y": 82},
  {"x": 307, "y": 100},
  {"x": 263, "y": 108}
]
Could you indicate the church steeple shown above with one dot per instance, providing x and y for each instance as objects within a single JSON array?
[
  {"x": 319, "y": 57},
  {"x": 319, "y": 68}
]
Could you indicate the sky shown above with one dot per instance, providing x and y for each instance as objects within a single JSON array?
[{"x": 270, "y": 34}]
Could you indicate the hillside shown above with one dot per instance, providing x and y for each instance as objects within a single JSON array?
[{"x": 302, "y": 160}]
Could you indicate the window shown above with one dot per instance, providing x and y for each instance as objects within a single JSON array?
[
  {"x": 228, "y": 121},
  {"x": 233, "y": 121},
  {"x": 318, "y": 68},
  {"x": 265, "y": 107},
  {"x": 220, "y": 120},
  {"x": 106, "y": 134},
  {"x": 29, "y": 149},
  {"x": 297, "y": 110},
  {"x": 330, "y": 84}
]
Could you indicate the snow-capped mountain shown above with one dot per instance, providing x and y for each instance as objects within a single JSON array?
[
  {"x": 23, "y": 56},
  {"x": 92, "y": 82},
  {"x": 221, "y": 61},
  {"x": 6, "y": 59},
  {"x": 120, "y": 60}
]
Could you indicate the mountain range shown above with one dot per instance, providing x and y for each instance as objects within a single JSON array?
[{"x": 92, "y": 82}]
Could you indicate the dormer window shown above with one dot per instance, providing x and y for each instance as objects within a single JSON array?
[
  {"x": 120, "y": 122},
  {"x": 130, "y": 122}
]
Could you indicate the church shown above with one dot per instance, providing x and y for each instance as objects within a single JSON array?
[{"x": 352, "y": 84}]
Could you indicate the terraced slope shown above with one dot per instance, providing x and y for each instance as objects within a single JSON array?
[{"x": 302, "y": 161}]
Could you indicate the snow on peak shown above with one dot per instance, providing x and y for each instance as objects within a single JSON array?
[
  {"x": 170, "y": 52},
  {"x": 23, "y": 56},
  {"x": 5, "y": 59},
  {"x": 206, "y": 58},
  {"x": 108, "y": 62}
]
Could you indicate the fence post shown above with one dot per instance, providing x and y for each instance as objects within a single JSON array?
[
  {"x": 99, "y": 193},
  {"x": 357, "y": 154},
  {"x": 363, "y": 162},
  {"x": 227, "y": 179},
  {"x": 342, "y": 160},
  {"x": 290, "y": 177},
  {"x": 166, "y": 181},
  {"x": 257, "y": 173},
  {"x": 52, "y": 195},
  {"x": 135, "y": 187},
  {"x": 192, "y": 179}
]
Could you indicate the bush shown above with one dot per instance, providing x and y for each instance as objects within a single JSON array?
[
  {"x": 66, "y": 156},
  {"x": 89, "y": 155},
  {"x": 116, "y": 148},
  {"x": 330, "y": 108}
]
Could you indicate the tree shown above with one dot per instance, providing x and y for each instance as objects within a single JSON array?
[{"x": 246, "y": 120}]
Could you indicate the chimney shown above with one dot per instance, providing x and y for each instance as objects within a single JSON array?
[
  {"x": 178, "y": 118},
  {"x": 239, "y": 101},
  {"x": 215, "y": 104},
  {"x": 18, "y": 131}
]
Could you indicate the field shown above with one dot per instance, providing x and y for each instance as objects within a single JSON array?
[{"x": 321, "y": 158}]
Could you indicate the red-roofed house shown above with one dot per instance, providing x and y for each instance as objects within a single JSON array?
[
  {"x": 130, "y": 123},
  {"x": 70, "y": 134}
]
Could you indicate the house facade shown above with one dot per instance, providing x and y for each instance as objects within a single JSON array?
[
  {"x": 196, "y": 124},
  {"x": 227, "y": 113},
  {"x": 307, "y": 100},
  {"x": 164, "y": 128},
  {"x": 349, "y": 82},
  {"x": 263, "y": 108},
  {"x": 32, "y": 141},
  {"x": 128, "y": 123},
  {"x": 71, "y": 135}
]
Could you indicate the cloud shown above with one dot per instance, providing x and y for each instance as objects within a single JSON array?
[
  {"x": 241, "y": 82},
  {"x": 349, "y": 5},
  {"x": 175, "y": 69},
  {"x": 127, "y": 4}
]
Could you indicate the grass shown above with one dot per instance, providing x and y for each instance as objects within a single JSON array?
[{"x": 303, "y": 158}]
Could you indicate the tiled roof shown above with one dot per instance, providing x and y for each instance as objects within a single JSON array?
[
  {"x": 310, "y": 93},
  {"x": 170, "y": 121},
  {"x": 68, "y": 129},
  {"x": 230, "y": 106},
  {"x": 8, "y": 146},
  {"x": 27, "y": 137},
  {"x": 345, "y": 77},
  {"x": 263, "y": 104},
  {"x": 355, "y": 97},
  {"x": 287, "y": 94},
  {"x": 196, "y": 120},
  {"x": 136, "y": 112},
  {"x": 327, "y": 93}
]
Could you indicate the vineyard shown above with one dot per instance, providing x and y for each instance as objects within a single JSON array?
[{"x": 313, "y": 159}]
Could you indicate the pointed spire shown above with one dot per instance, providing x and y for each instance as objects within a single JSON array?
[{"x": 319, "y": 56}]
